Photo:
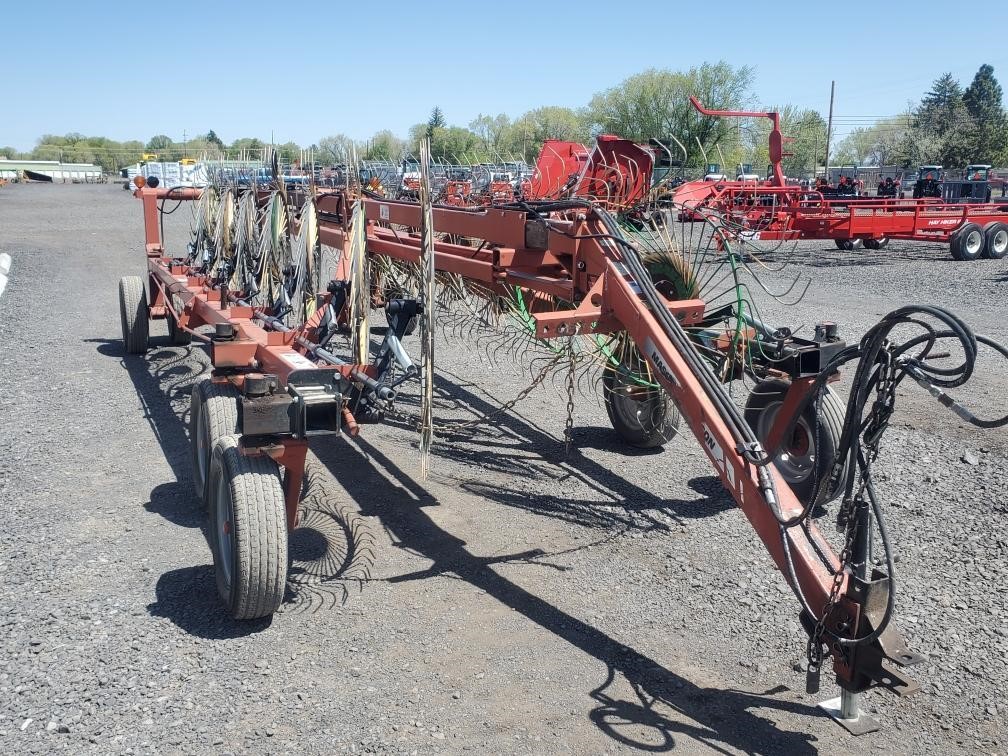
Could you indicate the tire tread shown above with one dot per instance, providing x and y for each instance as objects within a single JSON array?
[
  {"x": 133, "y": 314},
  {"x": 220, "y": 403},
  {"x": 260, "y": 529}
]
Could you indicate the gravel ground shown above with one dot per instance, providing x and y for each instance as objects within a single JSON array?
[{"x": 516, "y": 602}]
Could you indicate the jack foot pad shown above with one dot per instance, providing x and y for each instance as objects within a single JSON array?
[{"x": 860, "y": 724}]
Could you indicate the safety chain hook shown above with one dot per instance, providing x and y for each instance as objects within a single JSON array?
[{"x": 569, "y": 424}]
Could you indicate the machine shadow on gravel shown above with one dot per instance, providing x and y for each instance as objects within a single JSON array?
[
  {"x": 831, "y": 257},
  {"x": 188, "y": 597},
  {"x": 512, "y": 445},
  {"x": 382, "y": 490},
  {"x": 329, "y": 555}
]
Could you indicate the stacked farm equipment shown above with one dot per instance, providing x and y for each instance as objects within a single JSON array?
[{"x": 957, "y": 213}]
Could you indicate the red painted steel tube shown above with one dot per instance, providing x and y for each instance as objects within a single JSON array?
[{"x": 738, "y": 476}]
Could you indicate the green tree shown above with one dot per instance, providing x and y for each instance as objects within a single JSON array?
[
  {"x": 982, "y": 98},
  {"x": 656, "y": 103},
  {"x": 454, "y": 144},
  {"x": 988, "y": 140},
  {"x": 215, "y": 140},
  {"x": 159, "y": 142},
  {"x": 384, "y": 145},
  {"x": 806, "y": 127},
  {"x": 524, "y": 137},
  {"x": 917, "y": 147},
  {"x": 942, "y": 118},
  {"x": 287, "y": 152},
  {"x": 490, "y": 130},
  {"x": 939, "y": 107},
  {"x": 335, "y": 149},
  {"x": 436, "y": 121},
  {"x": 247, "y": 143}
]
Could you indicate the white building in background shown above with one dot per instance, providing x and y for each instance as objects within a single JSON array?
[
  {"x": 169, "y": 175},
  {"x": 61, "y": 172}
]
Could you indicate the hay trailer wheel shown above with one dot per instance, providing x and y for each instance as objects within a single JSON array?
[
  {"x": 967, "y": 243},
  {"x": 995, "y": 240},
  {"x": 797, "y": 461},
  {"x": 213, "y": 414},
  {"x": 176, "y": 335},
  {"x": 848, "y": 244},
  {"x": 641, "y": 415},
  {"x": 133, "y": 314},
  {"x": 248, "y": 531}
]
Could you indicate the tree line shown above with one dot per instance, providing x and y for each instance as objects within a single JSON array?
[
  {"x": 112, "y": 155},
  {"x": 651, "y": 104},
  {"x": 951, "y": 126}
]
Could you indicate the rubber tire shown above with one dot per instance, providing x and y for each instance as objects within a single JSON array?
[
  {"x": 133, "y": 314},
  {"x": 246, "y": 493},
  {"x": 213, "y": 414},
  {"x": 957, "y": 245},
  {"x": 839, "y": 243},
  {"x": 953, "y": 250},
  {"x": 176, "y": 335},
  {"x": 766, "y": 397},
  {"x": 657, "y": 405},
  {"x": 991, "y": 232}
]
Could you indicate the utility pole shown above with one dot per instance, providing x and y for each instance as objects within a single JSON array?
[
  {"x": 185, "y": 144},
  {"x": 829, "y": 129},
  {"x": 815, "y": 155}
]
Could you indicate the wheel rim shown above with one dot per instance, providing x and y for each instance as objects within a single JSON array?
[
  {"x": 999, "y": 244},
  {"x": 796, "y": 460},
  {"x": 224, "y": 528},
  {"x": 974, "y": 243},
  {"x": 637, "y": 413}
]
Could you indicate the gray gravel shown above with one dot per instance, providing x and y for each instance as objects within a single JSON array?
[{"x": 516, "y": 602}]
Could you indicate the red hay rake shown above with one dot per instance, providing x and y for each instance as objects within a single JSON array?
[{"x": 562, "y": 259}]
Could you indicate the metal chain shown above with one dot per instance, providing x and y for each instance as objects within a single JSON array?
[
  {"x": 459, "y": 427},
  {"x": 816, "y": 652},
  {"x": 878, "y": 418},
  {"x": 569, "y": 425}
]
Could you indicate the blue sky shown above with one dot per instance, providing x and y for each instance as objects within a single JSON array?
[{"x": 131, "y": 70}]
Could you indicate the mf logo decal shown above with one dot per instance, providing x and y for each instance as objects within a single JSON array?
[
  {"x": 659, "y": 362},
  {"x": 716, "y": 453}
]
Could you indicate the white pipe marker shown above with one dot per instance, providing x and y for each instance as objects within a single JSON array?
[{"x": 5, "y": 263}]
